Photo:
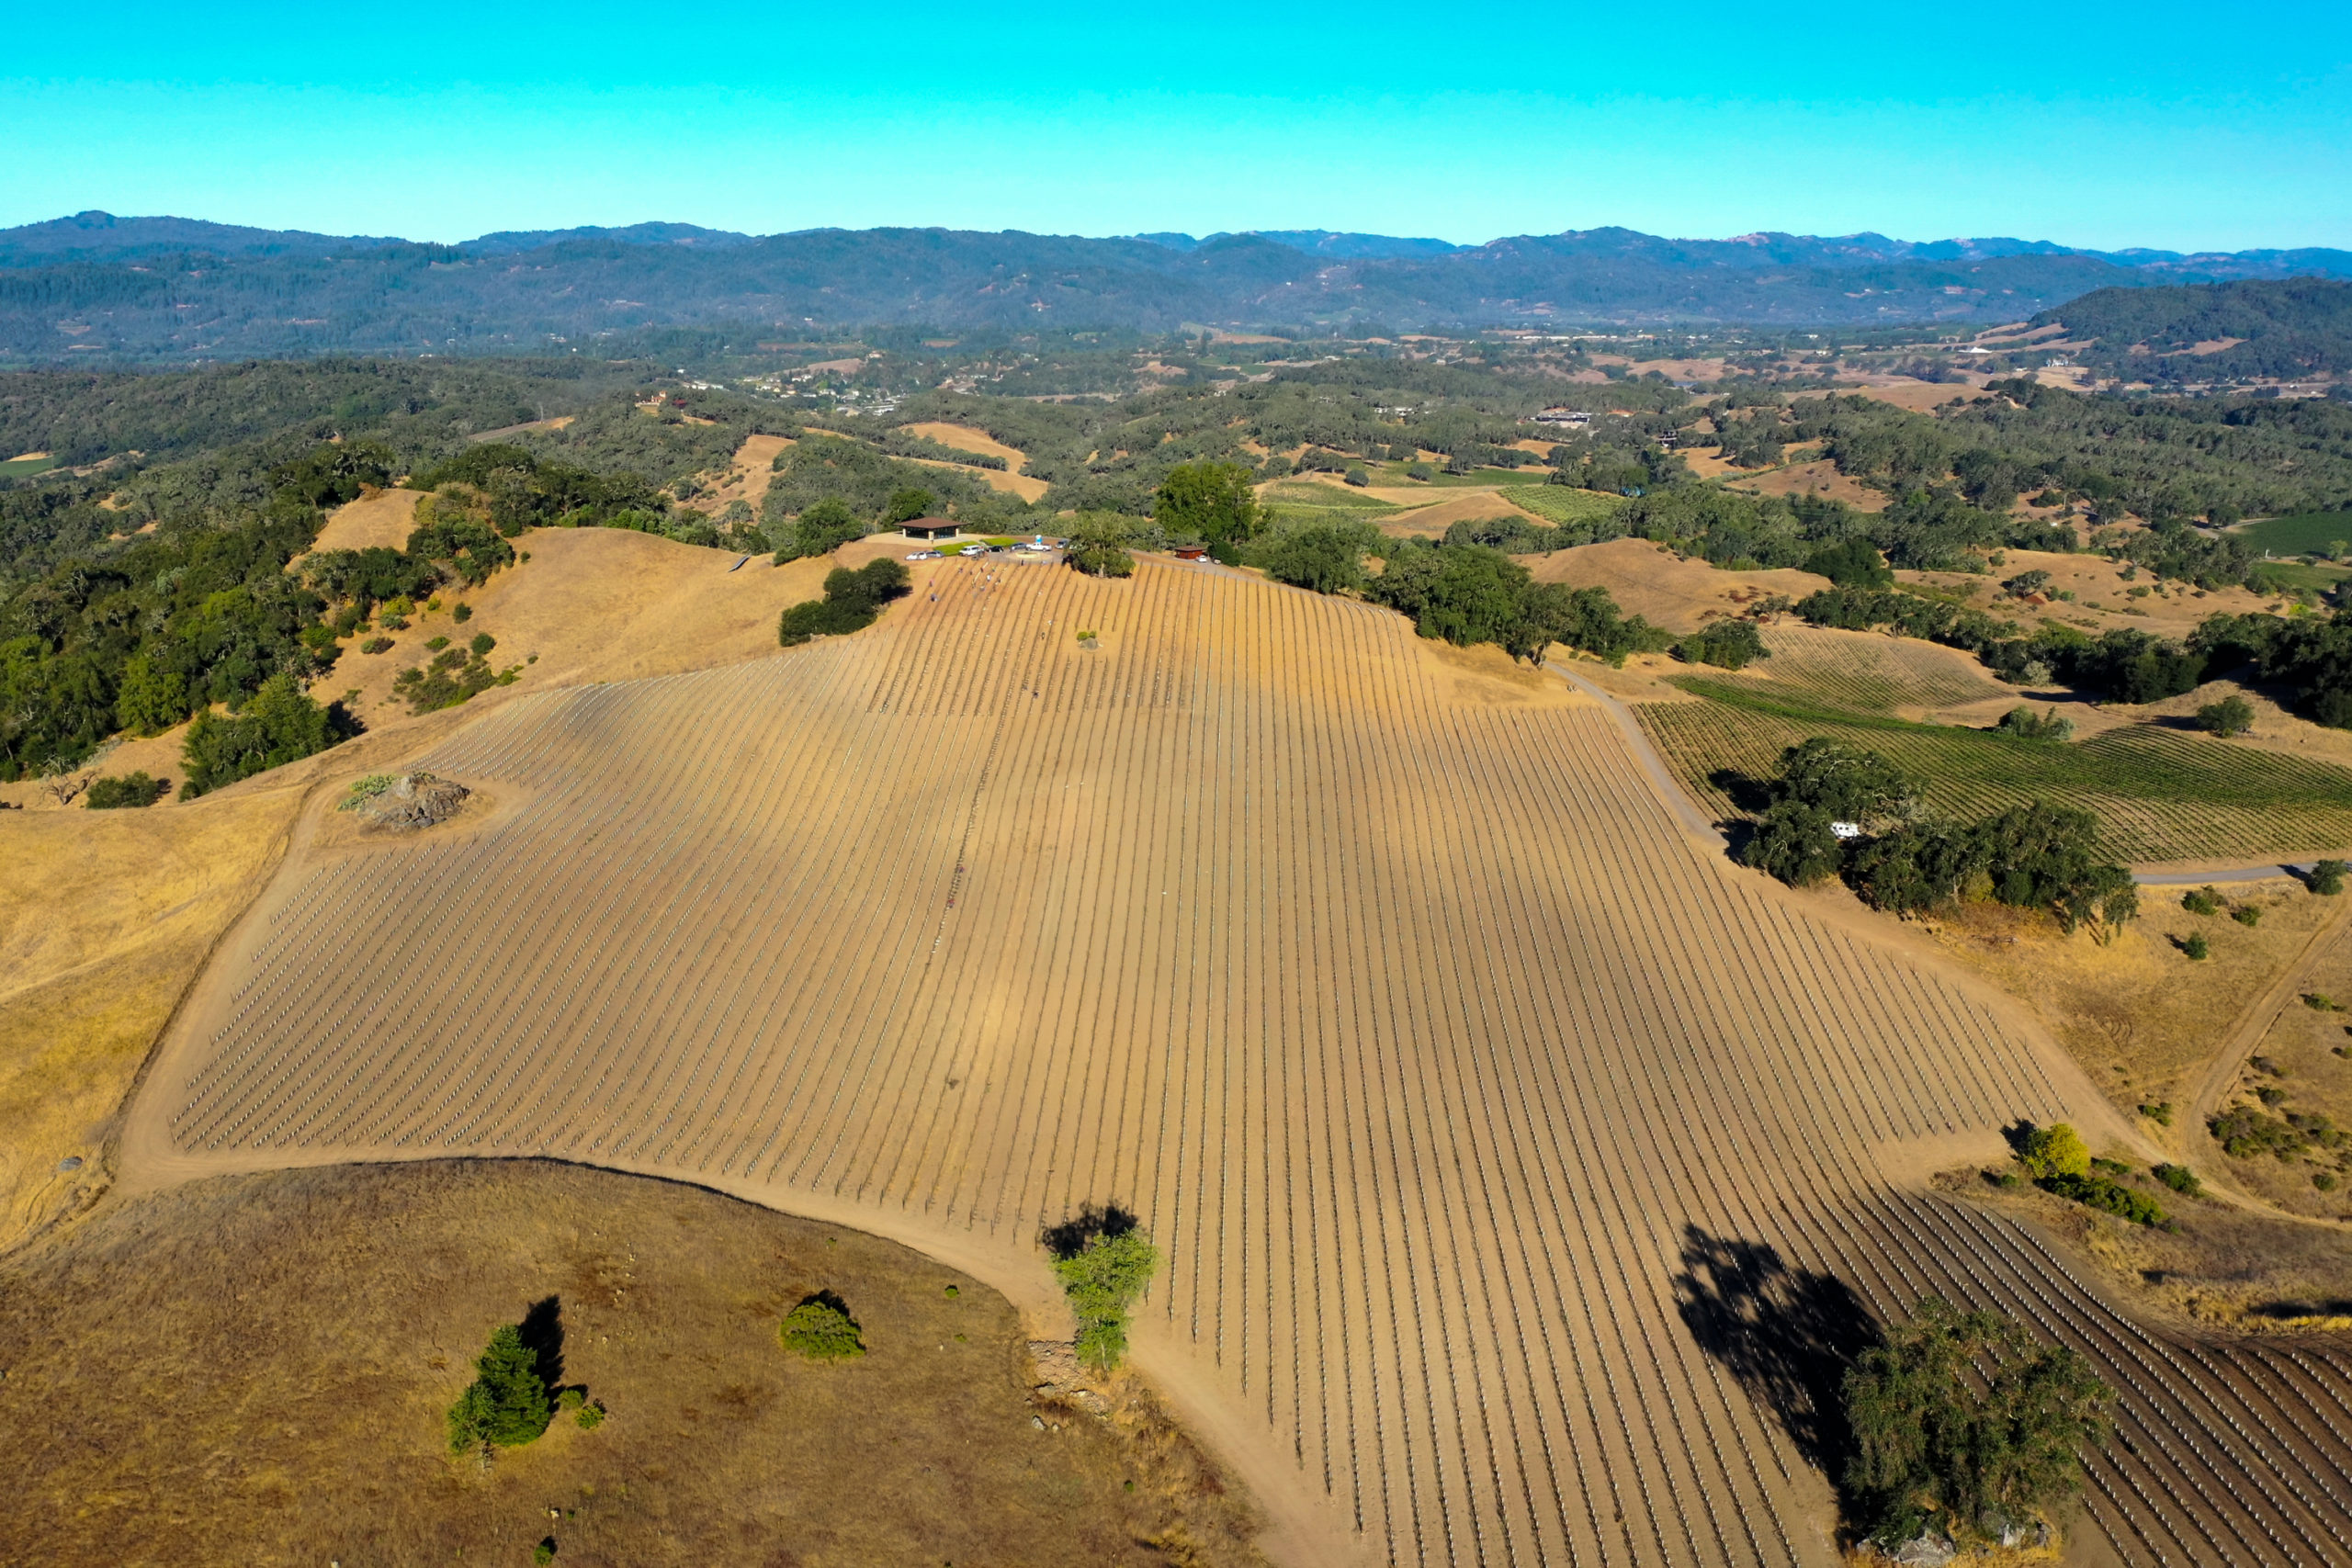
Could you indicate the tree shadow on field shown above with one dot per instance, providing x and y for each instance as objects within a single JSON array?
[
  {"x": 542, "y": 1335},
  {"x": 1746, "y": 791},
  {"x": 1068, "y": 1238},
  {"x": 1785, "y": 1335}
]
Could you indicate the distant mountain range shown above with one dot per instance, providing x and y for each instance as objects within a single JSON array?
[{"x": 97, "y": 288}]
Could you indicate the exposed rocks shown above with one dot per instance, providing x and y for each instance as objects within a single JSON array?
[
  {"x": 412, "y": 801},
  {"x": 1059, "y": 1378}
]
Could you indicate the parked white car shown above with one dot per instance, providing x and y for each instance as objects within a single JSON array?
[{"x": 924, "y": 555}]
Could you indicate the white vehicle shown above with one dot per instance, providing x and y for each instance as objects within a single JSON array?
[
  {"x": 924, "y": 555},
  {"x": 973, "y": 550}
]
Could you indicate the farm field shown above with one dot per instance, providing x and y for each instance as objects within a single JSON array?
[
  {"x": 2160, "y": 793},
  {"x": 2300, "y": 534},
  {"x": 1519, "y": 1165}
]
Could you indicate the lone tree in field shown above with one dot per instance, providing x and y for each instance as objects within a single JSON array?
[
  {"x": 1104, "y": 1260},
  {"x": 821, "y": 1329},
  {"x": 507, "y": 1403},
  {"x": 1965, "y": 1423}
]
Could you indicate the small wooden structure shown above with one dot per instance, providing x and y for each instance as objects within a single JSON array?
[{"x": 930, "y": 527}]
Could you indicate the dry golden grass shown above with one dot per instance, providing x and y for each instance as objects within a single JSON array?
[
  {"x": 256, "y": 1370},
  {"x": 1012, "y": 479},
  {"x": 105, "y": 918},
  {"x": 1919, "y": 397},
  {"x": 2141, "y": 1019},
  {"x": 381, "y": 521},
  {"x": 2307, "y": 1057},
  {"x": 1817, "y": 478},
  {"x": 1443, "y": 1065},
  {"x": 1679, "y": 594}
]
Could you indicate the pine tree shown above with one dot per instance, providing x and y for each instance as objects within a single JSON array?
[{"x": 507, "y": 1403}]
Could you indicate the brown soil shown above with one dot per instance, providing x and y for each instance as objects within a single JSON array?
[
  {"x": 257, "y": 1368},
  {"x": 1470, "y": 1099},
  {"x": 1647, "y": 580}
]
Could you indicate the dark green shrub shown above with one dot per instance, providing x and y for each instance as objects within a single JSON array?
[
  {"x": 1855, "y": 563},
  {"x": 1727, "y": 643},
  {"x": 129, "y": 790},
  {"x": 462, "y": 614},
  {"x": 852, "y": 602},
  {"x": 2160, "y": 1112},
  {"x": 482, "y": 644},
  {"x": 2106, "y": 1196},
  {"x": 2247, "y": 914},
  {"x": 2232, "y": 715},
  {"x": 2181, "y": 1178},
  {"x": 507, "y": 1403},
  {"x": 2202, "y": 901},
  {"x": 1326, "y": 557},
  {"x": 2023, "y": 724},
  {"x": 543, "y": 1553},
  {"x": 1215, "y": 502},
  {"x": 376, "y": 644},
  {"x": 436, "y": 643},
  {"x": 821, "y": 1329},
  {"x": 1098, "y": 546},
  {"x": 2195, "y": 948},
  {"x": 2326, "y": 878},
  {"x": 824, "y": 527}
]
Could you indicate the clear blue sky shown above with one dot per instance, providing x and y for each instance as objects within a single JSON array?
[{"x": 2184, "y": 127}]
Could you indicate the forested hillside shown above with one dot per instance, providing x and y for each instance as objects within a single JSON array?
[
  {"x": 142, "y": 288},
  {"x": 2301, "y": 327}
]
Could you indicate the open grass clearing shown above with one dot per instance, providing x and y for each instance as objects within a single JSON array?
[{"x": 258, "y": 1366}]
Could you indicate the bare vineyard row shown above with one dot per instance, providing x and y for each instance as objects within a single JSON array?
[{"x": 1445, "y": 1073}]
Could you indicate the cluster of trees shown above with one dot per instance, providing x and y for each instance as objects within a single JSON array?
[
  {"x": 2123, "y": 665},
  {"x": 2310, "y": 657},
  {"x": 857, "y": 486},
  {"x": 1469, "y": 593},
  {"x": 197, "y": 612},
  {"x": 851, "y": 600},
  {"x": 278, "y": 726},
  {"x": 2056, "y": 1159},
  {"x": 2165, "y": 459},
  {"x": 1838, "y": 810}
]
